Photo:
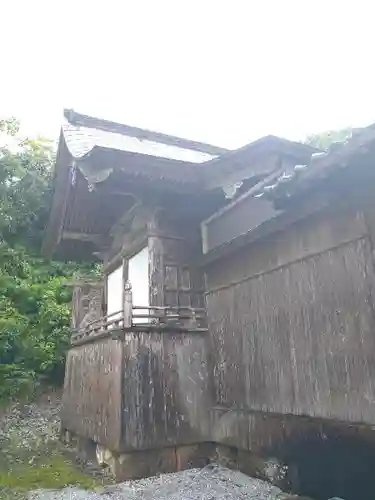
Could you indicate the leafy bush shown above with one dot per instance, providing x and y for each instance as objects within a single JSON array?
[
  {"x": 35, "y": 319},
  {"x": 34, "y": 303}
]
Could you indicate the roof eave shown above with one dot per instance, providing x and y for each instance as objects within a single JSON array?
[
  {"x": 91, "y": 122},
  {"x": 254, "y": 155},
  {"x": 61, "y": 188},
  {"x": 190, "y": 176}
]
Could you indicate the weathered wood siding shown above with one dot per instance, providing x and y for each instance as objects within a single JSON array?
[
  {"x": 147, "y": 389},
  {"x": 144, "y": 390},
  {"x": 92, "y": 391},
  {"x": 166, "y": 392},
  {"x": 291, "y": 322}
]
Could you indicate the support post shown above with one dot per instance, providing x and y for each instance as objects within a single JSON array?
[
  {"x": 193, "y": 321},
  {"x": 128, "y": 305}
]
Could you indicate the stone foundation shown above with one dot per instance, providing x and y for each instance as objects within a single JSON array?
[
  {"x": 265, "y": 468},
  {"x": 320, "y": 459},
  {"x": 146, "y": 463},
  {"x": 143, "y": 463}
]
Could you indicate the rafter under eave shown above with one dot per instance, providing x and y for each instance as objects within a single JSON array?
[{"x": 87, "y": 237}]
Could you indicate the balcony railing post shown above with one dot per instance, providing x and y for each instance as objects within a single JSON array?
[
  {"x": 194, "y": 322},
  {"x": 128, "y": 305}
]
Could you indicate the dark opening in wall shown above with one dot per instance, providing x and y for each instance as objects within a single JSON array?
[{"x": 332, "y": 464}]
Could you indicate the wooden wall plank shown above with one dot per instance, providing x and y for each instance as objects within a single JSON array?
[
  {"x": 92, "y": 392},
  {"x": 130, "y": 392},
  {"x": 166, "y": 390},
  {"x": 305, "y": 238},
  {"x": 299, "y": 339}
]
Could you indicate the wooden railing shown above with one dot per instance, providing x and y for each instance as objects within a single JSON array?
[{"x": 143, "y": 318}]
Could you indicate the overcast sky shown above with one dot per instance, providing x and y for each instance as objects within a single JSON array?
[{"x": 225, "y": 72}]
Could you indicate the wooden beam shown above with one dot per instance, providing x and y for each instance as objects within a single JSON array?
[
  {"x": 311, "y": 206},
  {"x": 126, "y": 217},
  {"x": 113, "y": 192},
  {"x": 127, "y": 251},
  {"x": 87, "y": 237},
  {"x": 82, "y": 282},
  {"x": 251, "y": 192}
]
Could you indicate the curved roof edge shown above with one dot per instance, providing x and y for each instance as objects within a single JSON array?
[{"x": 144, "y": 136}]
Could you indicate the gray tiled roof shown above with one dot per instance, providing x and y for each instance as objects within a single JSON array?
[
  {"x": 321, "y": 165},
  {"x": 82, "y": 140}
]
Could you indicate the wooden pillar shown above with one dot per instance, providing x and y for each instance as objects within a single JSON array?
[
  {"x": 156, "y": 270},
  {"x": 128, "y": 305}
]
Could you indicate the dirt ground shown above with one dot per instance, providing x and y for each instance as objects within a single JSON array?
[
  {"x": 34, "y": 464},
  {"x": 31, "y": 454}
]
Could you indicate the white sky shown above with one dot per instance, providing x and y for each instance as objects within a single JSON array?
[{"x": 224, "y": 72}]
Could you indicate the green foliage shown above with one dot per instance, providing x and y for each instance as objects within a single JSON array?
[
  {"x": 325, "y": 139},
  {"x": 25, "y": 185},
  {"x": 34, "y": 323},
  {"x": 34, "y": 304}
]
